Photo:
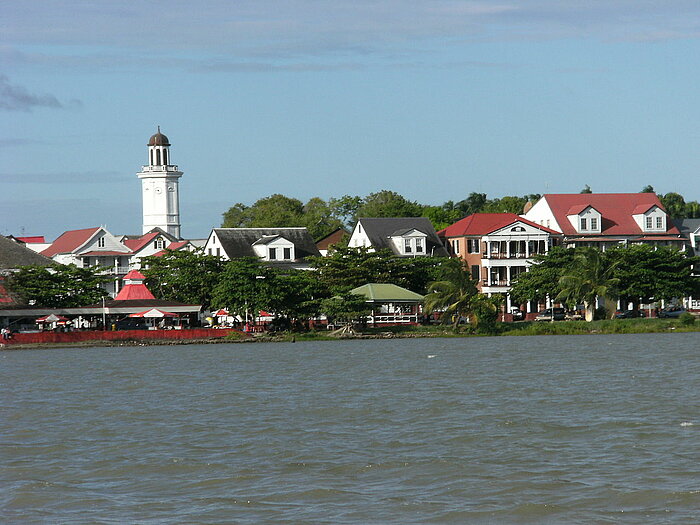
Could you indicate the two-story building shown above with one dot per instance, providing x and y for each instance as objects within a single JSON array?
[
  {"x": 403, "y": 236},
  {"x": 497, "y": 247},
  {"x": 280, "y": 247},
  {"x": 604, "y": 220}
]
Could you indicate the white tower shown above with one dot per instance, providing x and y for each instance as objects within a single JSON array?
[{"x": 161, "y": 199}]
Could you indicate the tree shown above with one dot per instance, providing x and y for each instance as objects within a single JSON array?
[
  {"x": 648, "y": 189},
  {"x": 648, "y": 273},
  {"x": 441, "y": 216},
  {"x": 345, "y": 307},
  {"x": 590, "y": 277},
  {"x": 454, "y": 294},
  {"x": 299, "y": 294},
  {"x": 542, "y": 278},
  {"x": 474, "y": 203},
  {"x": 318, "y": 219},
  {"x": 586, "y": 189},
  {"x": 345, "y": 208},
  {"x": 188, "y": 277},
  {"x": 237, "y": 216},
  {"x": 246, "y": 286},
  {"x": 674, "y": 204},
  {"x": 60, "y": 286},
  {"x": 347, "y": 268},
  {"x": 387, "y": 203},
  {"x": 508, "y": 204}
]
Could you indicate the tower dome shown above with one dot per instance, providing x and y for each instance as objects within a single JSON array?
[{"x": 158, "y": 139}]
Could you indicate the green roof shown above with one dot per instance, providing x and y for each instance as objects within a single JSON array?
[{"x": 387, "y": 293}]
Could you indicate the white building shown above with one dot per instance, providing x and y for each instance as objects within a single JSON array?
[{"x": 159, "y": 188}]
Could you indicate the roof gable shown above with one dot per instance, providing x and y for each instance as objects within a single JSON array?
[
  {"x": 238, "y": 242},
  {"x": 479, "y": 224},
  {"x": 380, "y": 229},
  {"x": 70, "y": 241},
  {"x": 617, "y": 210},
  {"x": 14, "y": 255}
]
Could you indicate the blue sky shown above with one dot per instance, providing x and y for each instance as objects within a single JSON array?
[{"x": 432, "y": 99}]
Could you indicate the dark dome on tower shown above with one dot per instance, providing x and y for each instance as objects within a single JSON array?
[{"x": 159, "y": 139}]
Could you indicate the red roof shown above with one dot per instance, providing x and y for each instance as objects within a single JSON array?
[
  {"x": 616, "y": 209},
  {"x": 485, "y": 223},
  {"x": 136, "y": 244},
  {"x": 177, "y": 245},
  {"x": 134, "y": 275},
  {"x": 36, "y": 239},
  {"x": 69, "y": 241},
  {"x": 134, "y": 291}
]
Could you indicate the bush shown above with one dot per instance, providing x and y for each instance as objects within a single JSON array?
[{"x": 686, "y": 319}]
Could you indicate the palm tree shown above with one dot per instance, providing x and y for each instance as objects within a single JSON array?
[
  {"x": 453, "y": 294},
  {"x": 589, "y": 278}
]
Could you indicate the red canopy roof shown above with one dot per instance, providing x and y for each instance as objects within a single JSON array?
[{"x": 485, "y": 223}]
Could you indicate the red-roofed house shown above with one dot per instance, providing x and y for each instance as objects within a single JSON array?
[
  {"x": 92, "y": 247},
  {"x": 148, "y": 244},
  {"x": 604, "y": 220},
  {"x": 497, "y": 247}
]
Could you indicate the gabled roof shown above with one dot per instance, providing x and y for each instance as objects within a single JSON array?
[
  {"x": 642, "y": 208},
  {"x": 34, "y": 239},
  {"x": 380, "y": 229},
  {"x": 388, "y": 293},
  {"x": 687, "y": 226},
  {"x": 70, "y": 241},
  {"x": 267, "y": 239},
  {"x": 238, "y": 242},
  {"x": 136, "y": 244},
  {"x": 14, "y": 255},
  {"x": 485, "y": 223},
  {"x": 334, "y": 237},
  {"x": 578, "y": 208},
  {"x": 617, "y": 210}
]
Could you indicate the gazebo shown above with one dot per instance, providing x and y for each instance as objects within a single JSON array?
[{"x": 391, "y": 304}]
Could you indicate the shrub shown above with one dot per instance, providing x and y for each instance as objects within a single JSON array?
[{"x": 686, "y": 319}]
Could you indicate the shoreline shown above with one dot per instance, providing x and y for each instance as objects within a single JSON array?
[{"x": 571, "y": 328}]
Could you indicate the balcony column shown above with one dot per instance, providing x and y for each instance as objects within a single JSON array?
[
  {"x": 508, "y": 275},
  {"x": 527, "y": 249}
]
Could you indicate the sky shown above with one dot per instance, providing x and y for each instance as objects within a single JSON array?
[{"x": 433, "y": 99}]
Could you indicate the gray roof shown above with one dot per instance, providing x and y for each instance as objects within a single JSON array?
[
  {"x": 15, "y": 254},
  {"x": 687, "y": 226},
  {"x": 238, "y": 242},
  {"x": 380, "y": 229}
]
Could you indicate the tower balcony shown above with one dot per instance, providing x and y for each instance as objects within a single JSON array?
[{"x": 160, "y": 169}]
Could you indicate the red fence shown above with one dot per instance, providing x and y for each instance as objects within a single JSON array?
[{"x": 121, "y": 335}]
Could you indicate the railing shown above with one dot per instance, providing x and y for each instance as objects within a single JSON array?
[
  {"x": 403, "y": 319},
  {"x": 501, "y": 255},
  {"x": 496, "y": 282}
]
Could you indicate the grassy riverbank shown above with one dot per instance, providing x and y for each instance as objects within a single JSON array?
[{"x": 610, "y": 326}]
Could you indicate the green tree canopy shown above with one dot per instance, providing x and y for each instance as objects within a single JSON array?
[
  {"x": 648, "y": 273},
  {"x": 348, "y": 268},
  {"x": 246, "y": 286},
  {"x": 387, "y": 203},
  {"x": 60, "y": 286},
  {"x": 590, "y": 276},
  {"x": 188, "y": 277},
  {"x": 542, "y": 279}
]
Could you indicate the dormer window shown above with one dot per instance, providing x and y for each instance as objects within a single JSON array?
[
  {"x": 594, "y": 223},
  {"x": 101, "y": 242},
  {"x": 419, "y": 245},
  {"x": 584, "y": 225},
  {"x": 649, "y": 223},
  {"x": 272, "y": 254},
  {"x": 659, "y": 223},
  {"x": 407, "y": 248},
  {"x": 159, "y": 244}
]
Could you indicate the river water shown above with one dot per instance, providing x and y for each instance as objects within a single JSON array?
[{"x": 580, "y": 429}]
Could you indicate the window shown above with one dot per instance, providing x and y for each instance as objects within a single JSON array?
[
  {"x": 272, "y": 253},
  {"x": 475, "y": 272},
  {"x": 649, "y": 223},
  {"x": 159, "y": 244},
  {"x": 165, "y": 156},
  {"x": 86, "y": 262},
  {"x": 101, "y": 242},
  {"x": 659, "y": 223},
  {"x": 210, "y": 251},
  {"x": 419, "y": 245},
  {"x": 584, "y": 225},
  {"x": 594, "y": 223},
  {"x": 287, "y": 253},
  {"x": 473, "y": 245},
  {"x": 407, "y": 246},
  {"x": 218, "y": 252},
  {"x": 455, "y": 246}
]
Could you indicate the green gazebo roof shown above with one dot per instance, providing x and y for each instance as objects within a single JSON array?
[{"x": 387, "y": 293}]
